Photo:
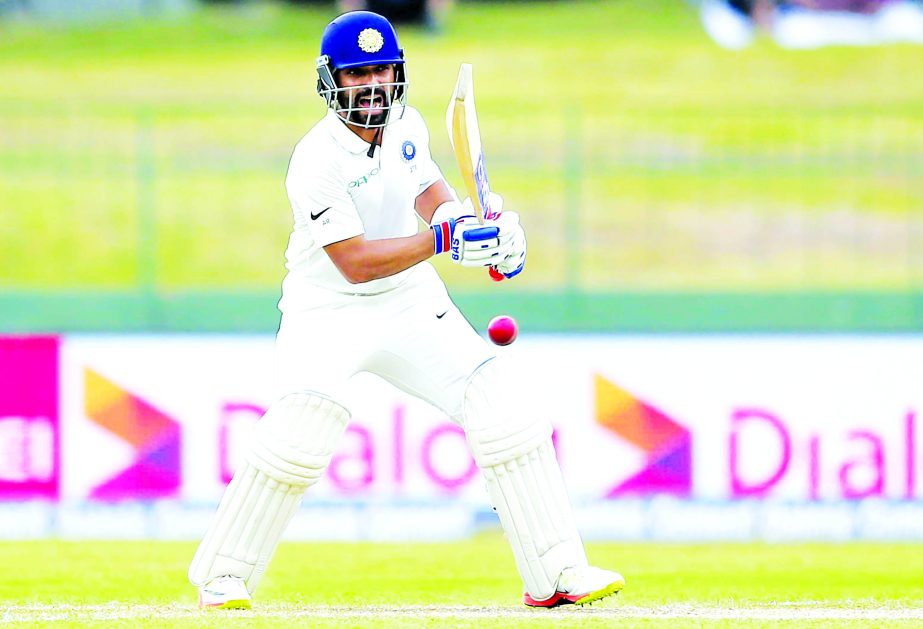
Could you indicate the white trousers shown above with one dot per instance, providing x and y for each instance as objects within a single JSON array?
[{"x": 412, "y": 336}]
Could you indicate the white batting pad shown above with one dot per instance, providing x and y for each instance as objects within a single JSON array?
[
  {"x": 515, "y": 453},
  {"x": 291, "y": 447}
]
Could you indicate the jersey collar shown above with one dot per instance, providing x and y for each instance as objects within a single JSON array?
[{"x": 343, "y": 136}]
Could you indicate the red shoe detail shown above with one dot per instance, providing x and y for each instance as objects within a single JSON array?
[
  {"x": 557, "y": 599},
  {"x": 560, "y": 598}
]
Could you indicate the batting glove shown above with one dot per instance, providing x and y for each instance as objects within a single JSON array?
[
  {"x": 515, "y": 260},
  {"x": 471, "y": 243}
]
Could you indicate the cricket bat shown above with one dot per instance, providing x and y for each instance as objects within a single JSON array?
[{"x": 461, "y": 121}]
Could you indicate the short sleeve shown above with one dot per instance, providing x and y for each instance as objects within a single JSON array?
[
  {"x": 319, "y": 193},
  {"x": 429, "y": 172}
]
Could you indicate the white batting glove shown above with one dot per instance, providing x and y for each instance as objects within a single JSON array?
[
  {"x": 514, "y": 261},
  {"x": 449, "y": 209},
  {"x": 470, "y": 242},
  {"x": 510, "y": 229},
  {"x": 474, "y": 244}
]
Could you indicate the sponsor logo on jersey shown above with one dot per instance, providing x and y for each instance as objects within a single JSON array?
[
  {"x": 314, "y": 216},
  {"x": 364, "y": 179}
]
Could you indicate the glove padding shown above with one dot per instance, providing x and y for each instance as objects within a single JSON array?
[
  {"x": 514, "y": 261},
  {"x": 474, "y": 244}
]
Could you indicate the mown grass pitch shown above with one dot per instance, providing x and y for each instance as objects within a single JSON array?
[{"x": 470, "y": 583}]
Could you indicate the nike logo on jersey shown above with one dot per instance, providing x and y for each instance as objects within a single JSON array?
[
  {"x": 314, "y": 216},
  {"x": 439, "y": 316}
]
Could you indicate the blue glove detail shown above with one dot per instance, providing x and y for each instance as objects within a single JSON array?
[
  {"x": 481, "y": 233},
  {"x": 474, "y": 244},
  {"x": 516, "y": 271}
]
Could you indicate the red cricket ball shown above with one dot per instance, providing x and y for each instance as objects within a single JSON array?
[{"x": 502, "y": 330}]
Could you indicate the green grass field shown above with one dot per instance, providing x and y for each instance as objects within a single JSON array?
[
  {"x": 641, "y": 156},
  {"x": 468, "y": 584}
]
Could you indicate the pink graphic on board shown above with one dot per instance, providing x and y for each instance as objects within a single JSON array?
[
  {"x": 156, "y": 438},
  {"x": 668, "y": 444},
  {"x": 30, "y": 446}
]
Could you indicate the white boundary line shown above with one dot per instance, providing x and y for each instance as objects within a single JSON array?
[{"x": 788, "y": 611}]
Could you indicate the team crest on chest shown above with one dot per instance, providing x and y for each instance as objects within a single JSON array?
[
  {"x": 408, "y": 150},
  {"x": 371, "y": 40}
]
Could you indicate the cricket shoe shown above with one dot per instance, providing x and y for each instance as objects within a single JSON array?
[
  {"x": 225, "y": 592},
  {"x": 579, "y": 586}
]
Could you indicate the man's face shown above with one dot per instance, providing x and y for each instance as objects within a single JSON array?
[{"x": 367, "y": 100}]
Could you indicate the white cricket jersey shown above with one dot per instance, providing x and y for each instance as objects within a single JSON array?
[{"x": 337, "y": 192}]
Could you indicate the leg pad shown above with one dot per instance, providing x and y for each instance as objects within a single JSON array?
[
  {"x": 291, "y": 447},
  {"x": 524, "y": 481}
]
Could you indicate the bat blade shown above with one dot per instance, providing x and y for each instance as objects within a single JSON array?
[{"x": 462, "y": 124}]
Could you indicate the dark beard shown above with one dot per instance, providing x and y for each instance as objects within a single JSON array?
[
  {"x": 359, "y": 117},
  {"x": 375, "y": 120}
]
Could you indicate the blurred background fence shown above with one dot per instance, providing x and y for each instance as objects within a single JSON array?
[{"x": 666, "y": 184}]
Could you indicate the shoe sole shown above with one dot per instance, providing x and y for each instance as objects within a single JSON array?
[
  {"x": 236, "y": 604},
  {"x": 609, "y": 590},
  {"x": 559, "y": 598}
]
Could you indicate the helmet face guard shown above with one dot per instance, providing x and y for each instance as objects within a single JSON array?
[
  {"x": 355, "y": 104},
  {"x": 357, "y": 39}
]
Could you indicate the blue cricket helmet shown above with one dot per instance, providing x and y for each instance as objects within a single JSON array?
[
  {"x": 355, "y": 39},
  {"x": 360, "y": 38}
]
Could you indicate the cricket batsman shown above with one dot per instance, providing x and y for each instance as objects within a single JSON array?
[{"x": 360, "y": 295}]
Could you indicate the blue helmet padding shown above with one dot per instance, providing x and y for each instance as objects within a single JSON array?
[{"x": 340, "y": 41}]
